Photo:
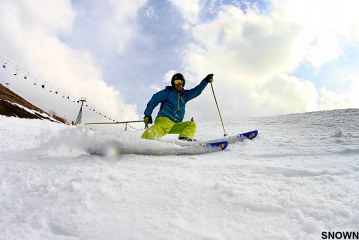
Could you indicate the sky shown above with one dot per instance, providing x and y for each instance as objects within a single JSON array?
[{"x": 268, "y": 57}]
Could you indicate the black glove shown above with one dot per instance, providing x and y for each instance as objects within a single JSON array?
[
  {"x": 147, "y": 120},
  {"x": 209, "y": 78}
]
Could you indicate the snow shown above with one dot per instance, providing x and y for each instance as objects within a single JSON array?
[{"x": 297, "y": 179}]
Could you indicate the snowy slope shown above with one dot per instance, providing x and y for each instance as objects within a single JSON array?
[{"x": 298, "y": 178}]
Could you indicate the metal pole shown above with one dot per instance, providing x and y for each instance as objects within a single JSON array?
[
  {"x": 79, "y": 116},
  {"x": 219, "y": 112},
  {"x": 137, "y": 121}
]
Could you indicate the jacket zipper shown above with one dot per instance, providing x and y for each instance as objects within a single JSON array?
[{"x": 178, "y": 102}]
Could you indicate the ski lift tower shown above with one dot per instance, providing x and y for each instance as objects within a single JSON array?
[{"x": 79, "y": 116}]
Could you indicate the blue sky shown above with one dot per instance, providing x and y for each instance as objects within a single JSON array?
[{"x": 268, "y": 57}]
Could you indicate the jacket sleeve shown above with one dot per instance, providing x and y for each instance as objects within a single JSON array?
[
  {"x": 196, "y": 91},
  {"x": 155, "y": 100}
]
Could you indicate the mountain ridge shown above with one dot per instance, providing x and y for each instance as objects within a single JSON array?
[{"x": 13, "y": 105}]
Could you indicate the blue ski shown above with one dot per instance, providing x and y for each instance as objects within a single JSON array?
[{"x": 117, "y": 148}]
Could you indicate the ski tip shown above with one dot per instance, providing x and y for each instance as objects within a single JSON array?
[
  {"x": 220, "y": 145},
  {"x": 249, "y": 135},
  {"x": 253, "y": 134},
  {"x": 224, "y": 145}
]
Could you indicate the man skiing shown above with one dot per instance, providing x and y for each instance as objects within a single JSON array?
[{"x": 173, "y": 101}]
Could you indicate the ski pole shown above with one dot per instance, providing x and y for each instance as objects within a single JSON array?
[
  {"x": 114, "y": 122},
  {"x": 219, "y": 112}
]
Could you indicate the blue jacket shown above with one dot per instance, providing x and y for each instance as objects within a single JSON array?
[{"x": 172, "y": 102}]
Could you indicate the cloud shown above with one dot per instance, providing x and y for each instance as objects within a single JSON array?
[
  {"x": 125, "y": 13},
  {"x": 32, "y": 37},
  {"x": 189, "y": 9},
  {"x": 345, "y": 95},
  {"x": 254, "y": 55},
  {"x": 324, "y": 24},
  {"x": 116, "y": 51},
  {"x": 285, "y": 92},
  {"x": 336, "y": 100}
]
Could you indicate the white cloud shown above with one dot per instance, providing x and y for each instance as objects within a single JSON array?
[
  {"x": 345, "y": 95},
  {"x": 124, "y": 25},
  {"x": 335, "y": 100},
  {"x": 284, "y": 92},
  {"x": 31, "y": 39},
  {"x": 256, "y": 43},
  {"x": 254, "y": 56},
  {"x": 57, "y": 18},
  {"x": 324, "y": 24},
  {"x": 189, "y": 9},
  {"x": 168, "y": 76}
]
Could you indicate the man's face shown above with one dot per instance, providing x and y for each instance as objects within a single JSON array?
[
  {"x": 178, "y": 87},
  {"x": 178, "y": 84}
]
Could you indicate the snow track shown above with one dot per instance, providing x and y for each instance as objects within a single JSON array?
[{"x": 297, "y": 179}]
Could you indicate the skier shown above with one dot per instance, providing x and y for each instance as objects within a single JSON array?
[{"x": 173, "y": 100}]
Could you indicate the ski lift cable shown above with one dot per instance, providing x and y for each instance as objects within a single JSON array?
[{"x": 28, "y": 76}]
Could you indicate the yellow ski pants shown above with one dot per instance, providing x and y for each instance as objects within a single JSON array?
[{"x": 164, "y": 125}]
